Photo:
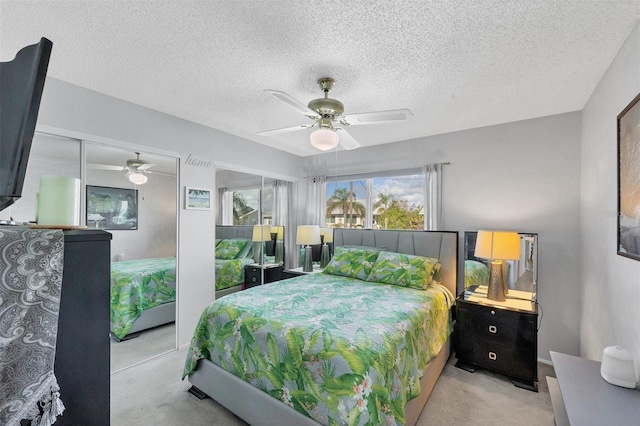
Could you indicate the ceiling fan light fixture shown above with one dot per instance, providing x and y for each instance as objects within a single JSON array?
[
  {"x": 324, "y": 139},
  {"x": 138, "y": 178}
]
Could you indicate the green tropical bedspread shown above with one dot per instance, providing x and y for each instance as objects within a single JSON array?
[
  {"x": 137, "y": 285},
  {"x": 230, "y": 272},
  {"x": 338, "y": 350}
]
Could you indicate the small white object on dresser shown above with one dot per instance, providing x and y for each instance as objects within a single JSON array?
[{"x": 617, "y": 367}]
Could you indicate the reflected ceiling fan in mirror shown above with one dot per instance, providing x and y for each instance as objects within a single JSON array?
[
  {"x": 327, "y": 115},
  {"x": 136, "y": 170}
]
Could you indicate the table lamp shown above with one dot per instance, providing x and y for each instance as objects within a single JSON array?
[
  {"x": 278, "y": 231},
  {"x": 497, "y": 246},
  {"x": 305, "y": 236},
  {"x": 261, "y": 233},
  {"x": 326, "y": 235}
]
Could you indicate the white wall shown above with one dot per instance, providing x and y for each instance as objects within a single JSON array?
[
  {"x": 610, "y": 312},
  {"x": 521, "y": 176},
  {"x": 77, "y": 112}
]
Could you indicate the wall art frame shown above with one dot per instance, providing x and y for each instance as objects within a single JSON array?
[
  {"x": 628, "y": 237},
  {"x": 197, "y": 198},
  {"x": 112, "y": 208}
]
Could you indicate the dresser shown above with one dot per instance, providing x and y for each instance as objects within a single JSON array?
[
  {"x": 82, "y": 350},
  {"x": 498, "y": 336},
  {"x": 580, "y": 396}
]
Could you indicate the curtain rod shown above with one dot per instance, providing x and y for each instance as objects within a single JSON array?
[{"x": 386, "y": 172}]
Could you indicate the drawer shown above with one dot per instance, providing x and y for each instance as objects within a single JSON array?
[
  {"x": 493, "y": 356},
  {"x": 494, "y": 325}
]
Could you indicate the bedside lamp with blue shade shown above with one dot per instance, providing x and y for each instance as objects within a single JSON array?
[
  {"x": 497, "y": 246},
  {"x": 307, "y": 235}
]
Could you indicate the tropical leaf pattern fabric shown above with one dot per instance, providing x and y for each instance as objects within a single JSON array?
[
  {"x": 137, "y": 285},
  {"x": 338, "y": 350},
  {"x": 475, "y": 273},
  {"x": 404, "y": 270},
  {"x": 352, "y": 262},
  {"x": 230, "y": 272},
  {"x": 230, "y": 248}
]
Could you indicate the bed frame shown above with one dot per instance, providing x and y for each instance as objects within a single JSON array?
[{"x": 250, "y": 403}]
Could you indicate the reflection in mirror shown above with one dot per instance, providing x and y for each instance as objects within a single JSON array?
[
  {"x": 519, "y": 274},
  {"x": 244, "y": 201},
  {"x": 142, "y": 219}
]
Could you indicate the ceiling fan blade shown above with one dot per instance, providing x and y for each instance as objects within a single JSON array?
[
  {"x": 294, "y": 103},
  {"x": 285, "y": 130},
  {"x": 145, "y": 166},
  {"x": 151, "y": 172},
  {"x": 346, "y": 140},
  {"x": 376, "y": 117},
  {"x": 96, "y": 166}
]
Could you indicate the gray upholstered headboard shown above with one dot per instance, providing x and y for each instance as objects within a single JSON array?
[
  {"x": 442, "y": 245},
  {"x": 234, "y": 231}
]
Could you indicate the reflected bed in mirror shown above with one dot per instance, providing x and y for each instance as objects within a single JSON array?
[
  {"x": 235, "y": 248},
  {"x": 519, "y": 274}
]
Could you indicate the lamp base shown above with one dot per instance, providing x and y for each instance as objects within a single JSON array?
[
  {"x": 324, "y": 259},
  {"x": 496, "y": 283},
  {"x": 279, "y": 258},
  {"x": 308, "y": 260}
]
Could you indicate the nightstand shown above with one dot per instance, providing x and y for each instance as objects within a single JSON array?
[
  {"x": 296, "y": 272},
  {"x": 498, "y": 336},
  {"x": 253, "y": 274}
]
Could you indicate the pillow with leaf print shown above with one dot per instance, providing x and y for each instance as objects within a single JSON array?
[
  {"x": 352, "y": 262},
  {"x": 404, "y": 270},
  {"x": 230, "y": 248}
]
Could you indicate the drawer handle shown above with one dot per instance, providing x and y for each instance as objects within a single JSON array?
[
  {"x": 493, "y": 312},
  {"x": 493, "y": 329},
  {"x": 492, "y": 356}
]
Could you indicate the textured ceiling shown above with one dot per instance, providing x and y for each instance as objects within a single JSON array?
[{"x": 455, "y": 64}]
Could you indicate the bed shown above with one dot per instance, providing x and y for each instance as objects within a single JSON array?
[
  {"x": 143, "y": 295},
  {"x": 343, "y": 366},
  {"x": 234, "y": 250}
]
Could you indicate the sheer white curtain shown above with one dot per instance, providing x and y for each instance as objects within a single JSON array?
[
  {"x": 282, "y": 206},
  {"x": 433, "y": 220},
  {"x": 225, "y": 207},
  {"x": 316, "y": 201}
]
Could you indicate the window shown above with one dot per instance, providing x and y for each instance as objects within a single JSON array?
[
  {"x": 378, "y": 202},
  {"x": 246, "y": 206}
]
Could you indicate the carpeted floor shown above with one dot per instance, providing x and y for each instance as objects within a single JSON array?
[
  {"x": 153, "y": 394},
  {"x": 148, "y": 344}
]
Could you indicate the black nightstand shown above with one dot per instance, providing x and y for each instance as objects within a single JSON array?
[
  {"x": 498, "y": 336},
  {"x": 253, "y": 274}
]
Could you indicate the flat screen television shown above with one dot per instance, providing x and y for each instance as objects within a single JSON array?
[{"x": 21, "y": 85}]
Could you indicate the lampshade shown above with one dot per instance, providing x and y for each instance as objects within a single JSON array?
[
  {"x": 261, "y": 233},
  {"x": 500, "y": 245},
  {"x": 324, "y": 138},
  {"x": 279, "y": 230},
  {"x": 327, "y": 233},
  {"x": 138, "y": 178},
  {"x": 308, "y": 234}
]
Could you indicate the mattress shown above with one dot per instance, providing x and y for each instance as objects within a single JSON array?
[
  {"x": 138, "y": 285},
  {"x": 336, "y": 349}
]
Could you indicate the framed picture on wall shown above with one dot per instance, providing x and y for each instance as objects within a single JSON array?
[
  {"x": 112, "y": 208},
  {"x": 197, "y": 198},
  {"x": 629, "y": 180}
]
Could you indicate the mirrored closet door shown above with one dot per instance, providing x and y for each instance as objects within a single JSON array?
[{"x": 133, "y": 195}]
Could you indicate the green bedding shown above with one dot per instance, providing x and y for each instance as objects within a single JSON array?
[
  {"x": 475, "y": 273},
  {"x": 230, "y": 272},
  {"x": 137, "y": 285},
  {"x": 338, "y": 350}
]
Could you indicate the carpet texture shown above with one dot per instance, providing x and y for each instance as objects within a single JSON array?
[{"x": 153, "y": 394}]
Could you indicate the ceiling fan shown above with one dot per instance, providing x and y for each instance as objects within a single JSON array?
[
  {"x": 327, "y": 115},
  {"x": 135, "y": 169}
]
